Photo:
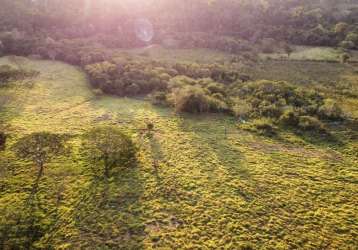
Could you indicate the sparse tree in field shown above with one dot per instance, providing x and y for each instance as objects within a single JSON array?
[
  {"x": 107, "y": 148},
  {"x": 345, "y": 57},
  {"x": 40, "y": 148}
]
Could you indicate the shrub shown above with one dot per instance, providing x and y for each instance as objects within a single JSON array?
[
  {"x": 241, "y": 108},
  {"x": 7, "y": 73},
  {"x": 215, "y": 88},
  {"x": 330, "y": 111},
  {"x": 289, "y": 118},
  {"x": 192, "y": 100},
  {"x": 309, "y": 123},
  {"x": 159, "y": 98},
  {"x": 353, "y": 37},
  {"x": 262, "y": 126},
  {"x": 345, "y": 57},
  {"x": 216, "y": 104}
]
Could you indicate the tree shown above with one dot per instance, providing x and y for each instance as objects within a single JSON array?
[
  {"x": 107, "y": 148},
  {"x": 40, "y": 148}
]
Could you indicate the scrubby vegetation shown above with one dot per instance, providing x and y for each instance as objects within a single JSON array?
[
  {"x": 213, "y": 89},
  {"x": 186, "y": 165},
  {"x": 200, "y": 124}
]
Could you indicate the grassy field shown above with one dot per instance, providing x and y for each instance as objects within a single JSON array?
[
  {"x": 158, "y": 52},
  {"x": 216, "y": 187}
]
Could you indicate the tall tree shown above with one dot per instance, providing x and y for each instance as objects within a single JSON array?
[
  {"x": 40, "y": 148},
  {"x": 107, "y": 148}
]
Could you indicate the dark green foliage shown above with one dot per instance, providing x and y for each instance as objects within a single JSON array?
[
  {"x": 261, "y": 126},
  {"x": 330, "y": 111},
  {"x": 107, "y": 148},
  {"x": 192, "y": 100},
  {"x": 309, "y": 123},
  {"x": 289, "y": 118},
  {"x": 40, "y": 148}
]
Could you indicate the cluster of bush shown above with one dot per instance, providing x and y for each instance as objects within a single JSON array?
[
  {"x": 9, "y": 73},
  {"x": 128, "y": 77},
  {"x": 195, "y": 88},
  {"x": 286, "y": 105}
]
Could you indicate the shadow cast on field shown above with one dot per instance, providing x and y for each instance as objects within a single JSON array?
[
  {"x": 215, "y": 141},
  {"x": 108, "y": 214}
]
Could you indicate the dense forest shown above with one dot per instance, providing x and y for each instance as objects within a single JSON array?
[
  {"x": 178, "y": 124},
  {"x": 193, "y": 23}
]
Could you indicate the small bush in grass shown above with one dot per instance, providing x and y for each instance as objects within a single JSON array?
[
  {"x": 345, "y": 57},
  {"x": 192, "y": 100},
  {"x": 289, "y": 118},
  {"x": 309, "y": 123},
  {"x": 261, "y": 126},
  {"x": 159, "y": 98},
  {"x": 330, "y": 111},
  {"x": 265, "y": 127}
]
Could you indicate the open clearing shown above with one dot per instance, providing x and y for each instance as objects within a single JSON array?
[{"x": 216, "y": 187}]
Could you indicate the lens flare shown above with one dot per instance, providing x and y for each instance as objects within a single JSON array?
[{"x": 144, "y": 29}]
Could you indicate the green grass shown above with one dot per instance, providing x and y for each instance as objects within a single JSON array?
[{"x": 216, "y": 187}]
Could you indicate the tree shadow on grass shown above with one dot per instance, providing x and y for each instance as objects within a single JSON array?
[
  {"x": 25, "y": 221},
  {"x": 212, "y": 138},
  {"x": 109, "y": 213}
]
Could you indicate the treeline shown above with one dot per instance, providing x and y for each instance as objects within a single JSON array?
[{"x": 318, "y": 22}]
